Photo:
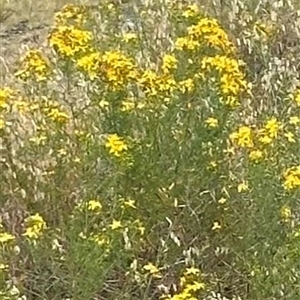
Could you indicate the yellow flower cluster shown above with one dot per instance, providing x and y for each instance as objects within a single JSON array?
[
  {"x": 207, "y": 32},
  {"x": 69, "y": 41},
  {"x": 152, "y": 84},
  {"x": 270, "y": 131},
  {"x": 34, "y": 65},
  {"x": 71, "y": 13},
  {"x": 285, "y": 213},
  {"x": 232, "y": 79},
  {"x": 191, "y": 11},
  {"x": 117, "y": 69},
  {"x": 5, "y": 95},
  {"x": 169, "y": 63},
  {"x": 292, "y": 178},
  {"x": 255, "y": 139},
  {"x": 116, "y": 145},
  {"x": 54, "y": 112},
  {"x": 243, "y": 137},
  {"x": 113, "y": 67},
  {"x": 5, "y": 237},
  {"x": 93, "y": 206},
  {"x": 190, "y": 285},
  {"x": 296, "y": 97},
  {"x": 91, "y": 64},
  {"x": 35, "y": 225}
]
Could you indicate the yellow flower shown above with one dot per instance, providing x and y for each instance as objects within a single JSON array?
[
  {"x": 169, "y": 63},
  {"x": 222, "y": 200},
  {"x": 255, "y": 155},
  {"x": 188, "y": 43},
  {"x": 292, "y": 178},
  {"x": 3, "y": 266},
  {"x": 149, "y": 82},
  {"x": 115, "y": 225},
  {"x": 38, "y": 140},
  {"x": 117, "y": 69},
  {"x": 35, "y": 226},
  {"x": 129, "y": 203},
  {"x": 191, "y": 11},
  {"x": 216, "y": 226},
  {"x": 285, "y": 213},
  {"x": 91, "y": 64},
  {"x": 116, "y": 145},
  {"x": 294, "y": 120},
  {"x": 57, "y": 115},
  {"x": 152, "y": 270},
  {"x": 263, "y": 30},
  {"x": 272, "y": 127},
  {"x": 69, "y": 41},
  {"x": 71, "y": 12},
  {"x": 232, "y": 79},
  {"x": 129, "y": 36},
  {"x": 100, "y": 239},
  {"x": 212, "y": 122},
  {"x": 186, "y": 85},
  {"x": 6, "y": 237},
  {"x": 264, "y": 138},
  {"x": 194, "y": 287},
  {"x": 34, "y": 65},
  {"x": 94, "y": 205},
  {"x": 243, "y": 137},
  {"x": 192, "y": 271},
  {"x": 243, "y": 187},
  {"x": 290, "y": 137},
  {"x": 297, "y": 97},
  {"x": 5, "y": 94},
  {"x": 211, "y": 34}
]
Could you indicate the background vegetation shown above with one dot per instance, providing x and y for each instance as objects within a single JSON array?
[{"x": 149, "y": 150}]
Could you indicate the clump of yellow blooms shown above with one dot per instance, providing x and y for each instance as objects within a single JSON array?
[
  {"x": 270, "y": 131},
  {"x": 69, "y": 41},
  {"x": 292, "y": 178},
  {"x": 116, "y": 145},
  {"x": 212, "y": 122},
  {"x": 117, "y": 69},
  {"x": 113, "y": 67},
  {"x": 93, "y": 206},
  {"x": 191, "y": 11},
  {"x": 71, "y": 13},
  {"x": 5, "y": 237},
  {"x": 285, "y": 213},
  {"x": 232, "y": 79},
  {"x": 34, "y": 65},
  {"x": 256, "y": 155},
  {"x": 152, "y": 270},
  {"x": 296, "y": 97},
  {"x": 34, "y": 226},
  {"x": 5, "y": 96},
  {"x": 153, "y": 84},
  {"x": 243, "y": 137},
  {"x": 90, "y": 64},
  {"x": 190, "y": 285},
  {"x": 206, "y": 33},
  {"x": 169, "y": 63}
]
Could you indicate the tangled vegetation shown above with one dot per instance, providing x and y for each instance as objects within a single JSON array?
[{"x": 151, "y": 151}]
